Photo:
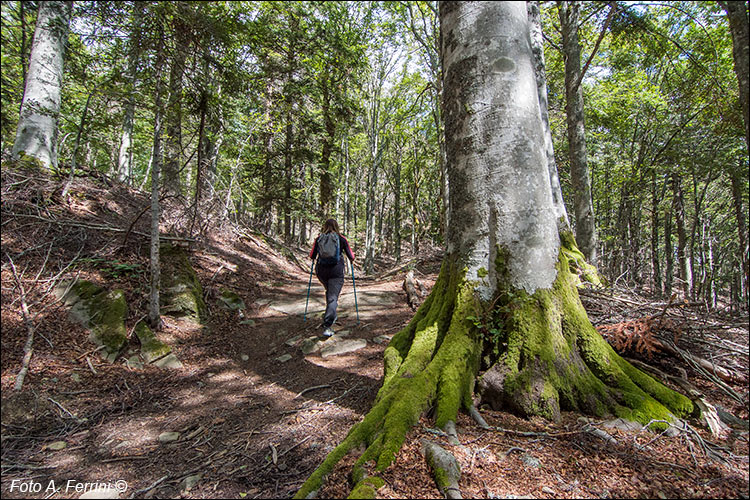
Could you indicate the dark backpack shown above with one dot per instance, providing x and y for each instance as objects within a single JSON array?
[{"x": 329, "y": 249}]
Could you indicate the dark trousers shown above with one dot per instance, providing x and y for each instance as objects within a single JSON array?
[
  {"x": 332, "y": 278},
  {"x": 333, "y": 289}
]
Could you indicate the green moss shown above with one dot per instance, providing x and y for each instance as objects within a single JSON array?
[
  {"x": 367, "y": 488},
  {"x": 482, "y": 272},
  {"x": 103, "y": 313},
  {"x": 151, "y": 347},
  {"x": 182, "y": 293}
]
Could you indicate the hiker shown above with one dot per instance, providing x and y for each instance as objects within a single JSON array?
[{"x": 329, "y": 247}]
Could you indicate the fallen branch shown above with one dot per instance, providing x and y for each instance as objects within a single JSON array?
[
  {"x": 28, "y": 348},
  {"x": 324, "y": 386}
]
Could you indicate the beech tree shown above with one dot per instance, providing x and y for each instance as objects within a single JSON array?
[
  {"x": 507, "y": 268},
  {"x": 36, "y": 135}
]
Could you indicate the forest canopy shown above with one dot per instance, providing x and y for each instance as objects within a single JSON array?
[{"x": 279, "y": 114}]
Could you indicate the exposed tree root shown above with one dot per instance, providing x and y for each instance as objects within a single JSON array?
[{"x": 547, "y": 356}]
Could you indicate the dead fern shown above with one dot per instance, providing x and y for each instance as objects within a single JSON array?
[{"x": 638, "y": 335}]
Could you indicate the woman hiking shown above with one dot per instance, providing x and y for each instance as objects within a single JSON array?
[{"x": 329, "y": 247}]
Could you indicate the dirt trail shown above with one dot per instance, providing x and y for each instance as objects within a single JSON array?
[{"x": 254, "y": 414}]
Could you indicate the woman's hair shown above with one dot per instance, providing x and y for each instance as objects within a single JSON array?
[{"x": 331, "y": 226}]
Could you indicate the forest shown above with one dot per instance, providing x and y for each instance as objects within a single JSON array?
[{"x": 548, "y": 205}]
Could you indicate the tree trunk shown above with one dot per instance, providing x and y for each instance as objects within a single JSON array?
[
  {"x": 682, "y": 257},
  {"x": 173, "y": 153},
  {"x": 668, "y": 251},
  {"x": 288, "y": 152},
  {"x": 125, "y": 157},
  {"x": 655, "y": 268},
  {"x": 737, "y": 14},
  {"x": 744, "y": 253},
  {"x": 77, "y": 144},
  {"x": 506, "y": 266},
  {"x": 537, "y": 47},
  {"x": 154, "y": 316},
  {"x": 326, "y": 187},
  {"x": 579, "y": 170},
  {"x": 36, "y": 135}
]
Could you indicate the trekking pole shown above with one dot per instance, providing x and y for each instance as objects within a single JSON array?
[
  {"x": 355, "y": 291},
  {"x": 309, "y": 283}
]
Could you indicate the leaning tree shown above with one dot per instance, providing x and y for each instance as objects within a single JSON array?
[
  {"x": 36, "y": 135},
  {"x": 508, "y": 269}
]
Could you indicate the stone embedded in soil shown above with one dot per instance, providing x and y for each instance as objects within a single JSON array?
[
  {"x": 623, "y": 425},
  {"x": 190, "y": 481},
  {"x": 342, "y": 346},
  {"x": 135, "y": 362},
  {"x": 382, "y": 339},
  {"x": 530, "y": 461},
  {"x": 168, "y": 437},
  {"x": 57, "y": 445},
  {"x": 102, "y": 493},
  {"x": 293, "y": 341},
  {"x": 284, "y": 358},
  {"x": 168, "y": 361},
  {"x": 151, "y": 347},
  {"x": 245, "y": 357},
  {"x": 310, "y": 345}
]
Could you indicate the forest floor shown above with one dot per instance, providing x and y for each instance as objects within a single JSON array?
[{"x": 253, "y": 426}]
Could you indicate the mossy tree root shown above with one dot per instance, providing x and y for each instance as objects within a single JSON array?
[
  {"x": 433, "y": 360},
  {"x": 550, "y": 357},
  {"x": 546, "y": 357}
]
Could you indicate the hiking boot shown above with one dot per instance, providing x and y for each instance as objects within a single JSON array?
[{"x": 328, "y": 332}]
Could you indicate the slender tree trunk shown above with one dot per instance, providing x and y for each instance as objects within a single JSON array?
[
  {"x": 345, "y": 147},
  {"x": 173, "y": 141},
  {"x": 655, "y": 268},
  {"x": 24, "y": 58},
  {"x": 36, "y": 135},
  {"x": 288, "y": 164},
  {"x": 579, "y": 171},
  {"x": 668, "y": 249},
  {"x": 682, "y": 257},
  {"x": 326, "y": 187},
  {"x": 81, "y": 125},
  {"x": 739, "y": 212},
  {"x": 125, "y": 158},
  {"x": 397, "y": 210},
  {"x": 154, "y": 316}
]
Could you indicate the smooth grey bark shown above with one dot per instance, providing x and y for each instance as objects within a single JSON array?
[
  {"x": 579, "y": 171},
  {"x": 154, "y": 315},
  {"x": 501, "y": 195},
  {"x": 125, "y": 157},
  {"x": 537, "y": 47},
  {"x": 37, "y": 131}
]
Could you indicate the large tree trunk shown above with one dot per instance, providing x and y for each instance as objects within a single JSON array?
[
  {"x": 579, "y": 170},
  {"x": 36, "y": 135},
  {"x": 505, "y": 264}
]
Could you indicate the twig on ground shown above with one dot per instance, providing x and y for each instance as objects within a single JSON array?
[{"x": 315, "y": 387}]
